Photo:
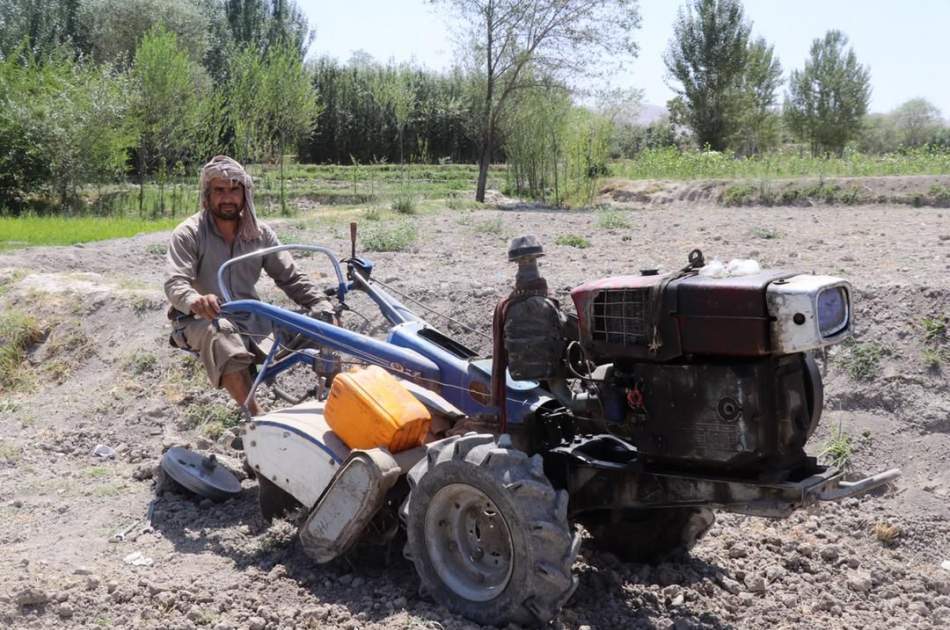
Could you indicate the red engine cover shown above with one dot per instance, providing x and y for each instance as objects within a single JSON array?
[{"x": 628, "y": 317}]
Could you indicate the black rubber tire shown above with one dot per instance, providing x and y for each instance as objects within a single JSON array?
[
  {"x": 814, "y": 392},
  {"x": 648, "y": 535},
  {"x": 542, "y": 544}
]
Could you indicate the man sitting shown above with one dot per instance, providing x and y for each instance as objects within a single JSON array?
[{"x": 225, "y": 228}]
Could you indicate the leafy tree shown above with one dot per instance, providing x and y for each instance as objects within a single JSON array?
[
  {"x": 397, "y": 94},
  {"x": 169, "y": 89},
  {"x": 917, "y": 121},
  {"x": 45, "y": 25},
  {"x": 878, "y": 134},
  {"x": 828, "y": 99},
  {"x": 707, "y": 58},
  {"x": 358, "y": 123},
  {"x": 511, "y": 44},
  {"x": 62, "y": 124},
  {"x": 289, "y": 102},
  {"x": 246, "y": 111},
  {"x": 262, "y": 24},
  {"x": 116, "y": 27},
  {"x": 757, "y": 125}
]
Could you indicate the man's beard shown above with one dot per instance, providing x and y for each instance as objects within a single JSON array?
[{"x": 227, "y": 212}]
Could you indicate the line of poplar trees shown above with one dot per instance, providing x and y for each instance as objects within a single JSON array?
[{"x": 94, "y": 92}]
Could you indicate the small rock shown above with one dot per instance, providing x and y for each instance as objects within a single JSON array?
[
  {"x": 919, "y": 608},
  {"x": 256, "y": 623},
  {"x": 729, "y": 584},
  {"x": 143, "y": 472},
  {"x": 92, "y": 583},
  {"x": 17, "y": 503},
  {"x": 121, "y": 595},
  {"x": 399, "y": 603},
  {"x": 774, "y": 573},
  {"x": 829, "y": 553},
  {"x": 738, "y": 552},
  {"x": 171, "y": 441},
  {"x": 859, "y": 582},
  {"x": 65, "y": 610},
  {"x": 202, "y": 443},
  {"x": 103, "y": 451},
  {"x": 31, "y": 596},
  {"x": 755, "y": 583}
]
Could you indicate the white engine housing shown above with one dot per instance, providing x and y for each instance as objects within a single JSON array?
[{"x": 800, "y": 308}]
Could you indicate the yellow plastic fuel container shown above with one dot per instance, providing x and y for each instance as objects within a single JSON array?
[{"x": 368, "y": 408}]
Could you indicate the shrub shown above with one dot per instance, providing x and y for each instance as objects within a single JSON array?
[
  {"x": 573, "y": 240},
  {"x": 863, "y": 360},
  {"x": 611, "y": 220},
  {"x": 838, "y": 449},
  {"x": 935, "y": 329},
  {"x": 18, "y": 332},
  {"x": 766, "y": 233},
  {"x": 140, "y": 362},
  {"x": 494, "y": 227},
  {"x": 404, "y": 203},
  {"x": 393, "y": 237},
  {"x": 212, "y": 418}
]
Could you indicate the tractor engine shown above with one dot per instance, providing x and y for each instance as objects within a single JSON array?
[{"x": 697, "y": 372}]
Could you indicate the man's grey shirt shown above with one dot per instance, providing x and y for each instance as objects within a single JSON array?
[{"x": 197, "y": 250}]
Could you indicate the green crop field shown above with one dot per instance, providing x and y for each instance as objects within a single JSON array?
[
  {"x": 34, "y": 230},
  {"x": 670, "y": 163}
]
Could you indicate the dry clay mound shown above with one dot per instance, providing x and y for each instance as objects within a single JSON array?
[
  {"x": 913, "y": 190},
  {"x": 99, "y": 372}
]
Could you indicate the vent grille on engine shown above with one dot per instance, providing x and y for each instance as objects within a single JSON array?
[{"x": 619, "y": 316}]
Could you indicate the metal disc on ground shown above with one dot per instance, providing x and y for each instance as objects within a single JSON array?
[{"x": 200, "y": 474}]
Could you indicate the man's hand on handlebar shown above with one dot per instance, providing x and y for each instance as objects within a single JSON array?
[{"x": 206, "y": 306}]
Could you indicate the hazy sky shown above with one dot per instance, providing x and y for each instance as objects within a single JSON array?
[{"x": 905, "y": 43}]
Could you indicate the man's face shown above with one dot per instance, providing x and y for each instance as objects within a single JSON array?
[{"x": 226, "y": 199}]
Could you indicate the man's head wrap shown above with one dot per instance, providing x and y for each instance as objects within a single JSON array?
[{"x": 223, "y": 167}]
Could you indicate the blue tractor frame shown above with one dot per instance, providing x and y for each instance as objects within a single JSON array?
[{"x": 413, "y": 349}]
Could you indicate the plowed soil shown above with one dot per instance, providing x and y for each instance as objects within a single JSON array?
[{"x": 103, "y": 374}]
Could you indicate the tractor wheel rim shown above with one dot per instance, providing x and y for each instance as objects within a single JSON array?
[{"x": 469, "y": 542}]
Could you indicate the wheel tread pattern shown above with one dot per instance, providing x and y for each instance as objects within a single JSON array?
[{"x": 552, "y": 544}]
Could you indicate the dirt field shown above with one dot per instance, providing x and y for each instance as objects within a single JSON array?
[{"x": 105, "y": 375}]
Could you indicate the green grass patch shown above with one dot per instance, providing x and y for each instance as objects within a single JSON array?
[
  {"x": 156, "y": 249},
  {"x": 389, "y": 237},
  {"x": 862, "y": 360},
  {"x": 940, "y": 195},
  {"x": 9, "y": 454},
  {"x": 9, "y": 406},
  {"x": 140, "y": 362},
  {"x": 493, "y": 227},
  {"x": 933, "y": 358},
  {"x": 405, "y": 203},
  {"x": 18, "y": 332},
  {"x": 611, "y": 220},
  {"x": 935, "y": 329},
  {"x": 50, "y": 230},
  {"x": 211, "y": 419},
  {"x": 97, "y": 472},
  {"x": 838, "y": 449},
  {"x": 766, "y": 233},
  {"x": 573, "y": 240}
]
